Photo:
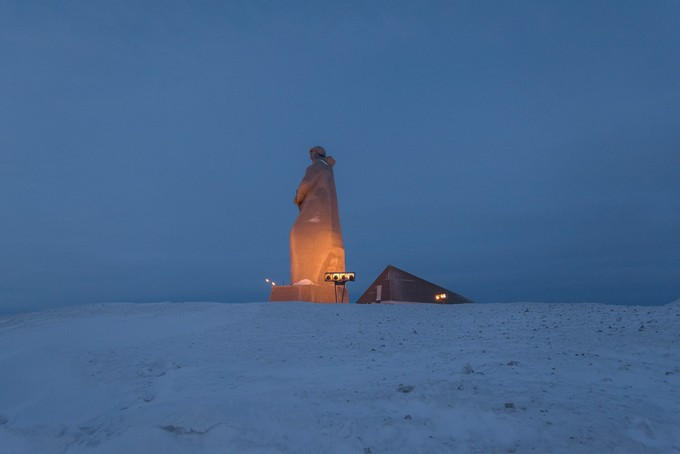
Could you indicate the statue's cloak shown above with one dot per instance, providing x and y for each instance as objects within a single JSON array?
[{"x": 315, "y": 239}]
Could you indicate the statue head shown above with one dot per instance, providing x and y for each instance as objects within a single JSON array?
[{"x": 317, "y": 151}]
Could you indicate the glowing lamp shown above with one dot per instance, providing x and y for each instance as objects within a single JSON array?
[
  {"x": 342, "y": 276},
  {"x": 440, "y": 297},
  {"x": 339, "y": 278}
]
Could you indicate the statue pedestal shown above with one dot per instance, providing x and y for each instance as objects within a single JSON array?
[{"x": 324, "y": 293}]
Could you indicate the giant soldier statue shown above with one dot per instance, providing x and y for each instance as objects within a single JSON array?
[{"x": 315, "y": 239}]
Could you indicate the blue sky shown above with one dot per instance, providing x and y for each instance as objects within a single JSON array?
[{"x": 508, "y": 151}]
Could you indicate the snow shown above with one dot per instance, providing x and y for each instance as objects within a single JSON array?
[
  {"x": 303, "y": 282},
  {"x": 298, "y": 377}
]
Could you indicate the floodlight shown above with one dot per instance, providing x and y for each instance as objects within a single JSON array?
[{"x": 339, "y": 278}]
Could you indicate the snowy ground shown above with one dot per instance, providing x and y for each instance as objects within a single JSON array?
[{"x": 296, "y": 377}]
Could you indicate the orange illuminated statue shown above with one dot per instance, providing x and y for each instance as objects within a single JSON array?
[{"x": 315, "y": 239}]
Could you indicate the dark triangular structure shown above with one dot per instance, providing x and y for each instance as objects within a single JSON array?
[{"x": 395, "y": 285}]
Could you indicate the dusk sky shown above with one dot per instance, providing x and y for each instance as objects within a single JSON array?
[{"x": 508, "y": 151}]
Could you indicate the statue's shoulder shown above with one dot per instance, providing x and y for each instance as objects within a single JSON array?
[
  {"x": 326, "y": 163},
  {"x": 319, "y": 165}
]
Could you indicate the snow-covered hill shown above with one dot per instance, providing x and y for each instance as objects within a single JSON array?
[{"x": 296, "y": 377}]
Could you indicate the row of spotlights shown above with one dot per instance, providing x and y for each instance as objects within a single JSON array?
[{"x": 342, "y": 276}]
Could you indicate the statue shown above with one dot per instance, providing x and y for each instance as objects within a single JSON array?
[{"x": 315, "y": 239}]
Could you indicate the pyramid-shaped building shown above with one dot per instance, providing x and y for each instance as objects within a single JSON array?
[{"x": 395, "y": 285}]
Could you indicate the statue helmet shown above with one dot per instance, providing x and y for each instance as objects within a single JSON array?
[{"x": 318, "y": 150}]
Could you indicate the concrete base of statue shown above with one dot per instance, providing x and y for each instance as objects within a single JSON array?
[{"x": 323, "y": 293}]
